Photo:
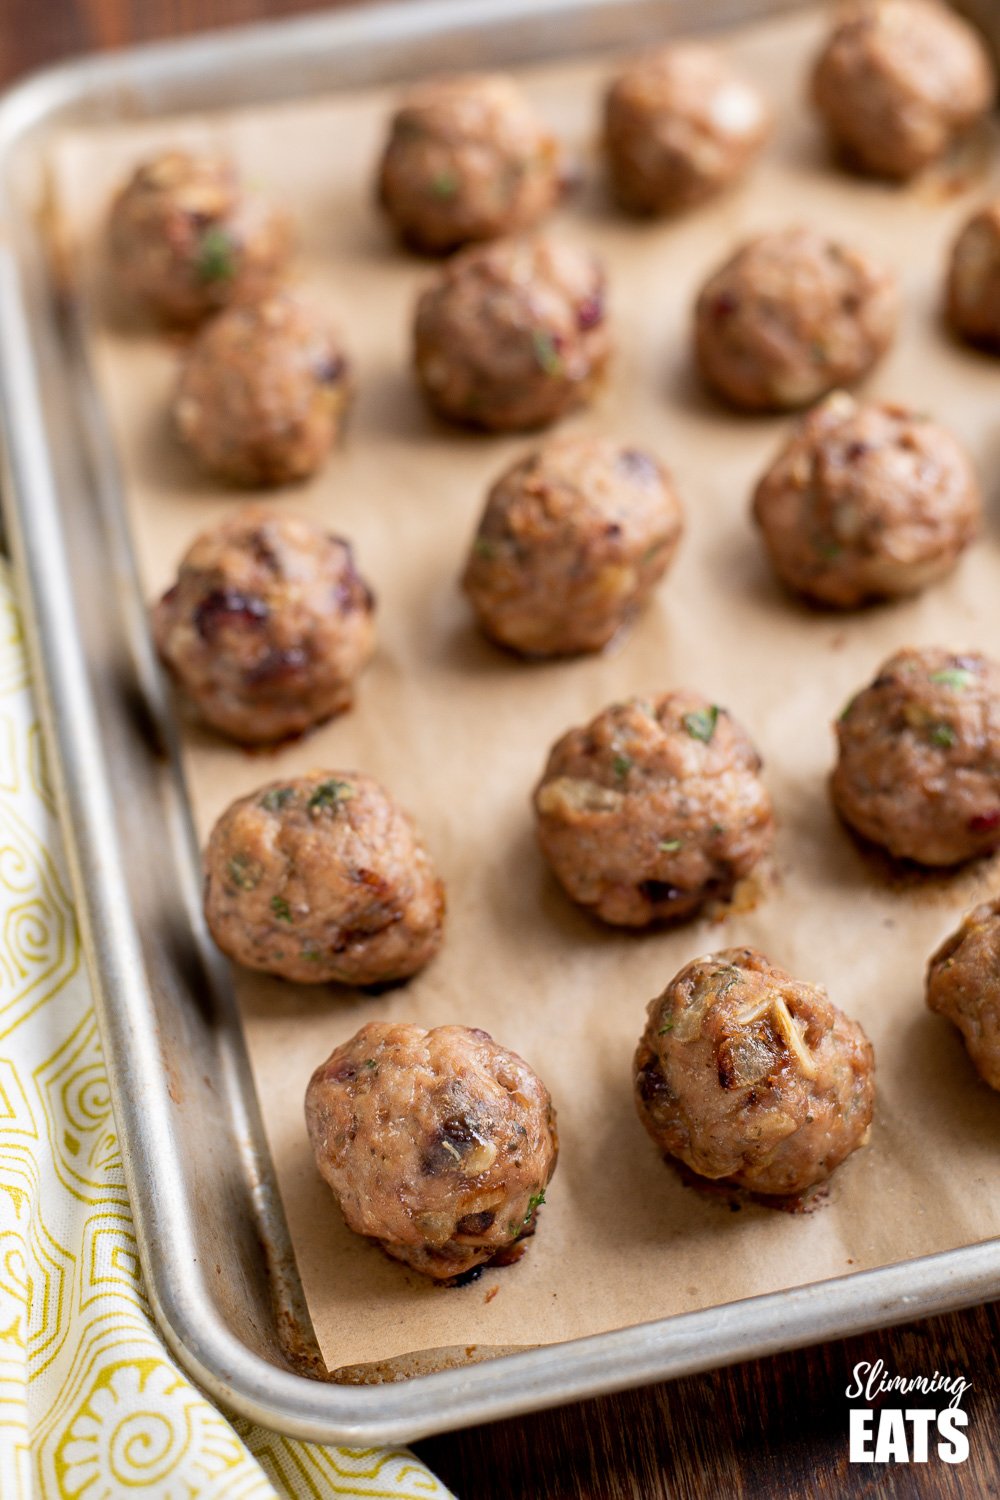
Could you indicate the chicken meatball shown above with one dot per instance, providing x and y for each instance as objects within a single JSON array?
[
  {"x": 751, "y": 1077},
  {"x": 919, "y": 764},
  {"x": 680, "y": 124},
  {"x": 573, "y": 540},
  {"x": 963, "y": 984},
  {"x": 898, "y": 80},
  {"x": 974, "y": 280},
  {"x": 512, "y": 335},
  {"x": 323, "y": 878},
  {"x": 866, "y": 502},
  {"x": 467, "y": 159},
  {"x": 262, "y": 392},
  {"x": 791, "y": 316},
  {"x": 438, "y": 1145},
  {"x": 267, "y": 626},
  {"x": 652, "y": 808},
  {"x": 185, "y": 239}
]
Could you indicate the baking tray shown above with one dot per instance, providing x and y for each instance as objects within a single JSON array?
[{"x": 212, "y": 1238}]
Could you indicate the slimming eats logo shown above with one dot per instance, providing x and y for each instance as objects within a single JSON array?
[{"x": 908, "y": 1433}]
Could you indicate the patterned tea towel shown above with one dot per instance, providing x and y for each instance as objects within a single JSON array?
[{"x": 92, "y": 1407}]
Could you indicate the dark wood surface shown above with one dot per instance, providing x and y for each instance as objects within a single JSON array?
[{"x": 773, "y": 1428}]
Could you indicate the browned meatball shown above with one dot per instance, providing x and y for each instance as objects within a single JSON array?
[
  {"x": 513, "y": 335},
  {"x": 652, "y": 808},
  {"x": 680, "y": 124},
  {"x": 262, "y": 392},
  {"x": 974, "y": 279},
  {"x": 866, "y": 502},
  {"x": 963, "y": 983},
  {"x": 919, "y": 764},
  {"x": 467, "y": 159},
  {"x": 323, "y": 878},
  {"x": 267, "y": 626},
  {"x": 185, "y": 238},
  {"x": 898, "y": 80},
  {"x": 791, "y": 316},
  {"x": 438, "y": 1145},
  {"x": 573, "y": 540},
  {"x": 751, "y": 1077}
]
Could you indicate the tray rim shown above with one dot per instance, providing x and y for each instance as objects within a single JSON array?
[{"x": 227, "y": 1368}]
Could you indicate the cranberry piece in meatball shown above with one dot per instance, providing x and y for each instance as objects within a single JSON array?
[
  {"x": 185, "y": 239},
  {"x": 866, "y": 502},
  {"x": 751, "y": 1077},
  {"x": 791, "y": 316},
  {"x": 267, "y": 627},
  {"x": 323, "y": 878},
  {"x": 680, "y": 124},
  {"x": 262, "y": 392},
  {"x": 467, "y": 159},
  {"x": 898, "y": 80},
  {"x": 919, "y": 765},
  {"x": 438, "y": 1145},
  {"x": 573, "y": 540},
  {"x": 512, "y": 335},
  {"x": 653, "y": 808},
  {"x": 974, "y": 280},
  {"x": 963, "y": 984}
]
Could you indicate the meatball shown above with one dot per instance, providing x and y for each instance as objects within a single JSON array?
[
  {"x": 680, "y": 124},
  {"x": 652, "y": 808},
  {"x": 866, "y": 502},
  {"x": 898, "y": 80},
  {"x": 512, "y": 335},
  {"x": 919, "y": 764},
  {"x": 323, "y": 878},
  {"x": 467, "y": 159},
  {"x": 791, "y": 316},
  {"x": 267, "y": 626},
  {"x": 963, "y": 983},
  {"x": 573, "y": 540},
  {"x": 974, "y": 279},
  {"x": 262, "y": 392},
  {"x": 751, "y": 1077},
  {"x": 185, "y": 239},
  {"x": 438, "y": 1145}
]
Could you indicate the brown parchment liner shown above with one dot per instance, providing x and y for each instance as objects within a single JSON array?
[{"x": 460, "y": 731}]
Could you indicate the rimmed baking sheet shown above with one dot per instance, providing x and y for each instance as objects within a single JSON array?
[{"x": 460, "y": 732}]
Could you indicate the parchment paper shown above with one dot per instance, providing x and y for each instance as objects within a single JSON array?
[{"x": 460, "y": 732}]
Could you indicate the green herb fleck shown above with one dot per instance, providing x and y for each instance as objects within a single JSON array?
[
  {"x": 652, "y": 551},
  {"x": 717, "y": 830},
  {"x": 943, "y": 735},
  {"x": 444, "y": 185},
  {"x": 330, "y": 794},
  {"x": 670, "y": 846},
  {"x": 244, "y": 872},
  {"x": 667, "y": 1026},
  {"x": 534, "y": 1202},
  {"x": 216, "y": 255},
  {"x": 546, "y": 352},
  {"x": 311, "y": 956},
  {"x": 281, "y": 909},
  {"x": 819, "y": 351},
  {"x": 622, "y": 765},
  {"x": 953, "y": 677},
  {"x": 370, "y": 1062},
  {"x": 700, "y": 724},
  {"x": 483, "y": 547},
  {"x": 276, "y": 798},
  {"x": 829, "y": 551}
]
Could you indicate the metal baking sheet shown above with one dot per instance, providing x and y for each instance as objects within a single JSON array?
[{"x": 214, "y": 1245}]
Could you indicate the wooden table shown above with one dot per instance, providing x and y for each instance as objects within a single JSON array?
[{"x": 775, "y": 1428}]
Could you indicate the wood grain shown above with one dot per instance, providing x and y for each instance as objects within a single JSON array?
[{"x": 762, "y": 1431}]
